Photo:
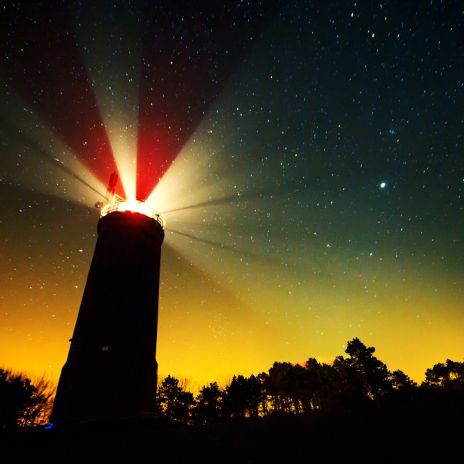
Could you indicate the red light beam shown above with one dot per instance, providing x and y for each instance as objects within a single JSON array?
[
  {"x": 41, "y": 61},
  {"x": 187, "y": 59}
]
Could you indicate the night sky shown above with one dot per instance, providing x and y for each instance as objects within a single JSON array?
[{"x": 307, "y": 157}]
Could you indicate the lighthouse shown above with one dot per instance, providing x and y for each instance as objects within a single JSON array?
[{"x": 111, "y": 369}]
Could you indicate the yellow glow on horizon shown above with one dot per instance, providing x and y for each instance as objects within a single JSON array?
[{"x": 220, "y": 336}]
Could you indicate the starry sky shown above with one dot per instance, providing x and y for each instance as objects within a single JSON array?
[{"x": 306, "y": 156}]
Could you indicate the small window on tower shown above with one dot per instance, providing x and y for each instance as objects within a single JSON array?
[{"x": 105, "y": 348}]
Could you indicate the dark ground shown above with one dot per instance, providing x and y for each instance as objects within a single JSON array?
[{"x": 370, "y": 438}]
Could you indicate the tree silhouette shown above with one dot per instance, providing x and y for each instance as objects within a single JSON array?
[
  {"x": 448, "y": 375},
  {"x": 400, "y": 381},
  {"x": 320, "y": 385},
  {"x": 208, "y": 404},
  {"x": 235, "y": 397},
  {"x": 282, "y": 386},
  {"x": 22, "y": 404},
  {"x": 244, "y": 396},
  {"x": 263, "y": 407},
  {"x": 174, "y": 402},
  {"x": 255, "y": 394},
  {"x": 362, "y": 376}
]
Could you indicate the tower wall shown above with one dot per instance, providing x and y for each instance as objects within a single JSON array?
[{"x": 111, "y": 370}]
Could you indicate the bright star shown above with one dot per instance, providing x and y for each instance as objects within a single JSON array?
[{"x": 383, "y": 185}]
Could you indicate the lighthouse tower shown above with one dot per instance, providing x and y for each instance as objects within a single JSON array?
[{"x": 111, "y": 369}]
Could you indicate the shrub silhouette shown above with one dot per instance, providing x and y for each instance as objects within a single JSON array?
[{"x": 23, "y": 404}]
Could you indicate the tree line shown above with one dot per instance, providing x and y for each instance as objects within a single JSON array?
[{"x": 355, "y": 381}]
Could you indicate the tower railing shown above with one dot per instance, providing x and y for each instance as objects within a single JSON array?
[{"x": 118, "y": 204}]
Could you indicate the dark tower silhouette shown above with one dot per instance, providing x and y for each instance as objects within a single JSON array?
[{"x": 111, "y": 370}]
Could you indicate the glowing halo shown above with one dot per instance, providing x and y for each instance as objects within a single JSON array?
[{"x": 118, "y": 204}]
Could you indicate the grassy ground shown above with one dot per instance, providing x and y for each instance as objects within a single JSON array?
[{"x": 372, "y": 438}]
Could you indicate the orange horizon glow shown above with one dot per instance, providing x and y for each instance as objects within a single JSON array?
[{"x": 221, "y": 336}]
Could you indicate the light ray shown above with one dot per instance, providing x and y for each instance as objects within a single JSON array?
[
  {"x": 34, "y": 158},
  {"x": 116, "y": 81}
]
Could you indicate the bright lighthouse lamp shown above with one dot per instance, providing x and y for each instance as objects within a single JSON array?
[{"x": 118, "y": 204}]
